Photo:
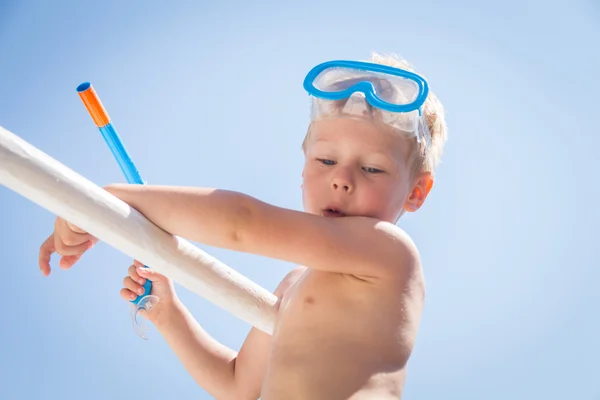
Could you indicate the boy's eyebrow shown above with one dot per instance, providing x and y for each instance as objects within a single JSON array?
[
  {"x": 388, "y": 158},
  {"x": 321, "y": 141}
]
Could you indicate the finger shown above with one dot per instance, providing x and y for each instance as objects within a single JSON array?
[
  {"x": 151, "y": 275},
  {"x": 148, "y": 273},
  {"x": 69, "y": 236},
  {"x": 133, "y": 286},
  {"x": 137, "y": 263},
  {"x": 46, "y": 250},
  {"x": 75, "y": 228},
  {"x": 127, "y": 294},
  {"x": 66, "y": 250},
  {"x": 67, "y": 262},
  {"x": 132, "y": 272},
  {"x": 75, "y": 239}
]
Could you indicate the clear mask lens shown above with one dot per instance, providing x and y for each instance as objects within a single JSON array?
[{"x": 391, "y": 89}]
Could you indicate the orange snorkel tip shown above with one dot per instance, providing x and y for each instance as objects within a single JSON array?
[{"x": 93, "y": 104}]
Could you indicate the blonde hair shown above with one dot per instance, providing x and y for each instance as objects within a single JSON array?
[{"x": 423, "y": 159}]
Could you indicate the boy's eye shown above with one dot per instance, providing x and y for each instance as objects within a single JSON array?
[
  {"x": 325, "y": 161},
  {"x": 372, "y": 170}
]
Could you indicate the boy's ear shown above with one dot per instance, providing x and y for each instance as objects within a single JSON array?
[{"x": 419, "y": 193}]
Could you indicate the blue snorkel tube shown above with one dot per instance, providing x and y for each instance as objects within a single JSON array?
[{"x": 100, "y": 117}]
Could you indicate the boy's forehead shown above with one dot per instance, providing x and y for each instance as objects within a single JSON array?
[
  {"x": 356, "y": 129},
  {"x": 360, "y": 135}
]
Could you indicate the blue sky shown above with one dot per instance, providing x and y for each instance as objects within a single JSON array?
[{"x": 209, "y": 93}]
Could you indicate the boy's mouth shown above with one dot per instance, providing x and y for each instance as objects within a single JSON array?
[{"x": 332, "y": 213}]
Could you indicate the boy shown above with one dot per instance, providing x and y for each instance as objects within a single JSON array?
[{"x": 349, "y": 315}]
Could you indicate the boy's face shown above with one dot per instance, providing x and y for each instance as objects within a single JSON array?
[{"x": 356, "y": 168}]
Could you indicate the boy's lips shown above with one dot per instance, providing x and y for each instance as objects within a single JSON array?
[{"x": 332, "y": 212}]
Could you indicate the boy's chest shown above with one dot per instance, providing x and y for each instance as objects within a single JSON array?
[{"x": 320, "y": 291}]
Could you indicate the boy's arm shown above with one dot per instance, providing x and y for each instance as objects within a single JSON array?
[
  {"x": 216, "y": 368},
  {"x": 210, "y": 363},
  {"x": 220, "y": 218}
]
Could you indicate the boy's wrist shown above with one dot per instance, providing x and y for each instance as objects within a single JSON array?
[{"x": 164, "y": 313}]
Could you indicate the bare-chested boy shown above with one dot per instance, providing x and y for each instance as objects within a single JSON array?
[{"x": 349, "y": 315}]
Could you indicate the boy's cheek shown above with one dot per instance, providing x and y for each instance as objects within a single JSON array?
[{"x": 308, "y": 199}]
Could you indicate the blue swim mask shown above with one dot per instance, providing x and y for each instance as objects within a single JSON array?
[{"x": 381, "y": 93}]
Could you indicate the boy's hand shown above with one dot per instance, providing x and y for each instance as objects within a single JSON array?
[
  {"x": 67, "y": 240},
  {"x": 162, "y": 287}
]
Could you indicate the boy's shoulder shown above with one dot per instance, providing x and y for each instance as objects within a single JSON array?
[
  {"x": 402, "y": 248},
  {"x": 385, "y": 233},
  {"x": 288, "y": 280}
]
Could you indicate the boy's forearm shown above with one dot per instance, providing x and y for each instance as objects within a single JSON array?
[
  {"x": 210, "y": 363},
  {"x": 210, "y": 216}
]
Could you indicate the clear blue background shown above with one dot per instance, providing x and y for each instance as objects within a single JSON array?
[{"x": 209, "y": 93}]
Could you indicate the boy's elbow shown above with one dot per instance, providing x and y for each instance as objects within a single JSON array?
[{"x": 240, "y": 390}]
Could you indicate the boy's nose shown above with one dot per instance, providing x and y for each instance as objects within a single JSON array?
[{"x": 342, "y": 183}]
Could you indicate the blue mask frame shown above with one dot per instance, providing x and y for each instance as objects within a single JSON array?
[{"x": 366, "y": 87}]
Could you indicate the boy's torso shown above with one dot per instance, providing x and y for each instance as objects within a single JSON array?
[{"x": 340, "y": 337}]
